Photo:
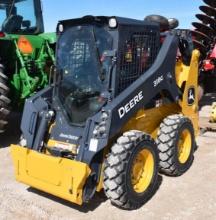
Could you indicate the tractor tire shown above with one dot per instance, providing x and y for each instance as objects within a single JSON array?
[
  {"x": 176, "y": 145},
  {"x": 4, "y": 100},
  {"x": 128, "y": 184}
]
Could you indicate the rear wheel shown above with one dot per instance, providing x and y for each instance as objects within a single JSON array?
[
  {"x": 176, "y": 145},
  {"x": 4, "y": 100},
  {"x": 131, "y": 170}
]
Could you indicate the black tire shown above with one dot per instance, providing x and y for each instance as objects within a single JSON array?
[
  {"x": 118, "y": 184},
  {"x": 168, "y": 139},
  {"x": 4, "y": 100}
]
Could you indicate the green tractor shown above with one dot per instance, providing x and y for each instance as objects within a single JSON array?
[{"x": 26, "y": 54}]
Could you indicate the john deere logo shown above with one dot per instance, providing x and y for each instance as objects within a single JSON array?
[{"x": 191, "y": 96}]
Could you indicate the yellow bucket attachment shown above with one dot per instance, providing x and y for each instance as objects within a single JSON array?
[{"x": 58, "y": 176}]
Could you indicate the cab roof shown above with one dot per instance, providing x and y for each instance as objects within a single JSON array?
[{"x": 104, "y": 20}]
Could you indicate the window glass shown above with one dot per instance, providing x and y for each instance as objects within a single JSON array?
[
  {"x": 26, "y": 10},
  {"x": 80, "y": 62},
  {"x": 20, "y": 17}
]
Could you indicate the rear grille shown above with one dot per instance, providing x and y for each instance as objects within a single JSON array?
[{"x": 136, "y": 56}]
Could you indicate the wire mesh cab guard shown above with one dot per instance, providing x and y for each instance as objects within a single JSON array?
[{"x": 138, "y": 50}]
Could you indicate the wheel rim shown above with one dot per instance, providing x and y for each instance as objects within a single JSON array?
[
  {"x": 142, "y": 170},
  {"x": 184, "y": 146}
]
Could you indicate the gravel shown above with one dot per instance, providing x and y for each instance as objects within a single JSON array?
[{"x": 191, "y": 196}]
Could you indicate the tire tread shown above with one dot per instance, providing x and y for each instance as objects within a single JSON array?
[
  {"x": 114, "y": 169},
  {"x": 166, "y": 143}
]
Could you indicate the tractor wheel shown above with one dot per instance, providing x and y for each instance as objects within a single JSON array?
[
  {"x": 131, "y": 170},
  {"x": 4, "y": 100},
  {"x": 176, "y": 145}
]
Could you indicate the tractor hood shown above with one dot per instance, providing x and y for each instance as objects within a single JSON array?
[{"x": 50, "y": 37}]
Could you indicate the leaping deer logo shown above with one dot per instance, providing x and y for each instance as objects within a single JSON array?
[{"x": 191, "y": 96}]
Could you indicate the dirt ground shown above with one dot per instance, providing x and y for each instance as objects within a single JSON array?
[{"x": 191, "y": 196}]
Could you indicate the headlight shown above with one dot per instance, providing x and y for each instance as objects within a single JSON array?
[
  {"x": 23, "y": 142},
  {"x": 113, "y": 23},
  {"x": 61, "y": 28},
  {"x": 100, "y": 129}
]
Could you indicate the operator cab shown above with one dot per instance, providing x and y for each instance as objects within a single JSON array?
[
  {"x": 21, "y": 17},
  {"x": 84, "y": 72},
  {"x": 86, "y": 61}
]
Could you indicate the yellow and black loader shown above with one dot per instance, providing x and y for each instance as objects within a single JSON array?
[{"x": 123, "y": 106}]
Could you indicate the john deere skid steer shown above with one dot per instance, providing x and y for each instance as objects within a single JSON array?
[
  {"x": 26, "y": 54},
  {"x": 123, "y": 106}
]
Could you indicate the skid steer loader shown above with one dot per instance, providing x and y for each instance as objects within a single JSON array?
[{"x": 122, "y": 107}]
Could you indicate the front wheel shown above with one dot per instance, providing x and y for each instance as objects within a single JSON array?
[{"x": 131, "y": 170}]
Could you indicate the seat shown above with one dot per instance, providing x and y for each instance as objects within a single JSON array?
[{"x": 12, "y": 24}]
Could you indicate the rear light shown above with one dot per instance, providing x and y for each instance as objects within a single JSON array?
[
  {"x": 24, "y": 45},
  {"x": 208, "y": 66},
  {"x": 2, "y": 34}
]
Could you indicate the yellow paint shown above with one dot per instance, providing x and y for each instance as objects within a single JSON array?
[
  {"x": 100, "y": 183},
  {"x": 71, "y": 147},
  {"x": 149, "y": 120},
  {"x": 188, "y": 75},
  {"x": 184, "y": 146},
  {"x": 142, "y": 171},
  {"x": 58, "y": 176},
  {"x": 51, "y": 127}
]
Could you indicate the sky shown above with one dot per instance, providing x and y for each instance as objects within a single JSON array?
[{"x": 55, "y": 10}]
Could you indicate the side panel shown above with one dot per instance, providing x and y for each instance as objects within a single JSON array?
[
  {"x": 149, "y": 120},
  {"x": 31, "y": 114},
  {"x": 188, "y": 76}
]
